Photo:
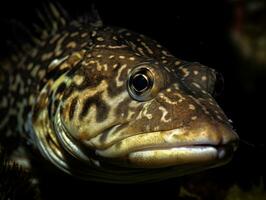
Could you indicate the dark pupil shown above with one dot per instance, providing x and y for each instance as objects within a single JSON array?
[{"x": 140, "y": 82}]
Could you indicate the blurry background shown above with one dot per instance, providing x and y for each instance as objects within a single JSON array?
[{"x": 229, "y": 36}]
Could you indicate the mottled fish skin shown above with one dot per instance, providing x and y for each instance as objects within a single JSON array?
[{"x": 107, "y": 104}]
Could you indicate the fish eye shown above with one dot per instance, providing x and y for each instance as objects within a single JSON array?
[{"x": 140, "y": 83}]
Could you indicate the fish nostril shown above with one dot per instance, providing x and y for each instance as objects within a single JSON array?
[
  {"x": 231, "y": 145},
  {"x": 227, "y": 134},
  {"x": 226, "y": 150},
  {"x": 234, "y": 144}
]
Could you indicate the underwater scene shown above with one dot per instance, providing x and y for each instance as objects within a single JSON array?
[{"x": 132, "y": 99}]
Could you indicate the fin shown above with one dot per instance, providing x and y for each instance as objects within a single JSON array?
[
  {"x": 25, "y": 33},
  {"x": 15, "y": 182},
  {"x": 14, "y": 51},
  {"x": 93, "y": 18},
  {"x": 18, "y": 45},
  {"x": 52, "y": 17}
]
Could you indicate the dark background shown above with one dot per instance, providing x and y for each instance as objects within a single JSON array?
[{"x": 193, "y": 31}]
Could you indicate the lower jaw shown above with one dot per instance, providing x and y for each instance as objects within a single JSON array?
[{"x": 174, "y": 157}]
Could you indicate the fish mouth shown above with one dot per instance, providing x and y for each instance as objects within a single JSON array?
[
  {"x": 193, "y": 155},
  {"x": 209, "y": 144}
]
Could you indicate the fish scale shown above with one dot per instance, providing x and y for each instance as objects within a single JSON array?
[{"x": 111, "y": 105}]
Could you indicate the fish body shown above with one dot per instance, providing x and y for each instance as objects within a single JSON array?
[{"x": 108, "y": 104}]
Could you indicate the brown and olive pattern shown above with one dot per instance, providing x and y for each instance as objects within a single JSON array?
[{"x": 108, "y": 104}]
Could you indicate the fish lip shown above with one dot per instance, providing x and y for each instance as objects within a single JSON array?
[
  {"x": 209, "y": 154},
  {"x": 232, "y": 146},
  {"x": 216, "y": 155}
]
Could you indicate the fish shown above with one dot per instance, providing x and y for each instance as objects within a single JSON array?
[{"x": 110, "y": 105}]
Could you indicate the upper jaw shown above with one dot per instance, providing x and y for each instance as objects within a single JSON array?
[{"x": 203, "y": 143}]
